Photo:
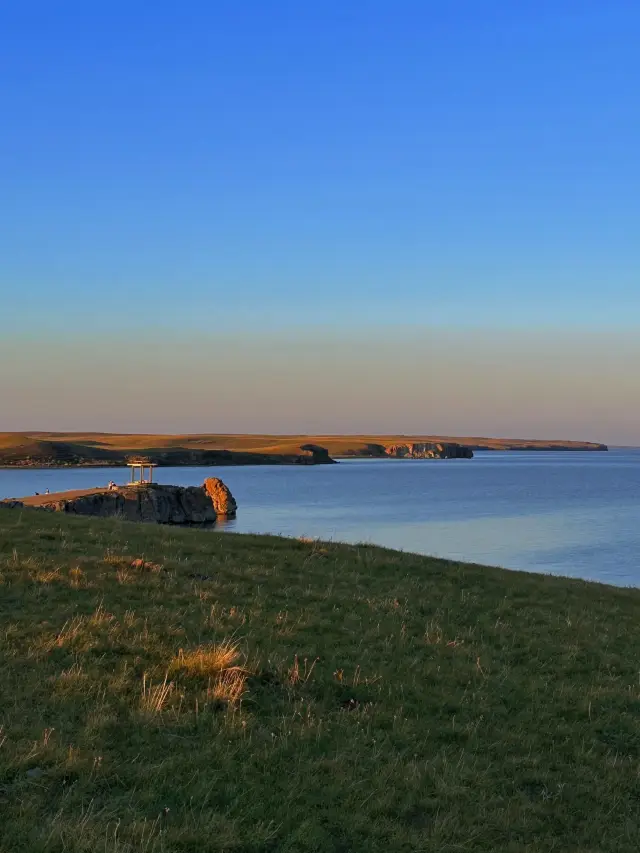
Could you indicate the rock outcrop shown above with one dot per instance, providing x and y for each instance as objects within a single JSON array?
[
  {"x": 148, "y": 502},
  {"x": 224, "y": 503},
  {"x": 313, "y": 454},
  {"x": 426, "y": 450}
]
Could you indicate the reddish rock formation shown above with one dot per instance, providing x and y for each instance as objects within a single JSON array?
[{"x": 224, "y": 503}]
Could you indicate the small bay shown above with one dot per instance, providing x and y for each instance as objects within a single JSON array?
[{"x": 568, "y": 513}]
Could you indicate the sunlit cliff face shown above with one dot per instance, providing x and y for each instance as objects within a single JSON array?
[{"x": 534, "y": 384}]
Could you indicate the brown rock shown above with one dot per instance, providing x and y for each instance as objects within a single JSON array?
[{"x": 223, "y": 501}]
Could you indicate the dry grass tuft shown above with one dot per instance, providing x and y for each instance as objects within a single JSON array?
[
  {"x": 145, "y": 566},
  {"x": 207, "y": 661},
  {"x": 154, "y": 697},
  {"x": 73, "y": 680},
  {"x": 116, "y": 559},
  {"x": 65, "y": 636},
  {"x": 76, "y": 577},
  {"x": 229, "y": 686},
  {"x": 47, "y": 576},
  {"x": 298, "y": 674},
  {"x": 100, "y": 616},
  {"x": 123, "y": 576},
  {"x": 73, "y": 673},
  {"x": 74, "y": 631}
]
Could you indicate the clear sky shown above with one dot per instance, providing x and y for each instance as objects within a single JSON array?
[{"x": 311, "y": 216}]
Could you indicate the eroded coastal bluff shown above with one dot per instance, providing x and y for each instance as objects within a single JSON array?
[{"x": 47, "y": 449}]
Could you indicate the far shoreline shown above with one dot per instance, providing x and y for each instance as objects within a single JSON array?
[
  {"x": 42, "y": 450},
  {"x": 61, "y": 466}
]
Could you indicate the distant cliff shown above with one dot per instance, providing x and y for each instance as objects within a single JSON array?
[
  {"x": 411, "y": 450},
  {"x": 428, "y": 450},
  {"x": 408, "y": 447}
]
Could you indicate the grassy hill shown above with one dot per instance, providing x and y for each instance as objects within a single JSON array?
[
  {"x": 42, "y": 448},
  {"x": 177, "y": 690},
  {"x": 59, "y": 449}
]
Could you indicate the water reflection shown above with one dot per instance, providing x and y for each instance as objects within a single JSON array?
[{"x": 224, "y": 524}]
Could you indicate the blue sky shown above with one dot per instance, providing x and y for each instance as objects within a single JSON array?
[{"x": 250, "y": 168}]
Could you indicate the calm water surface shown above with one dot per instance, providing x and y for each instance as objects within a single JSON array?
[{"x": 575, "y": 514}]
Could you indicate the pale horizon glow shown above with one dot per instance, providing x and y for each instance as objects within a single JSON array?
[{"x": 545, "y": 384}]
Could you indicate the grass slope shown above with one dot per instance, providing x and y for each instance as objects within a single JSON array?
[{"x": 176, "y": 690}]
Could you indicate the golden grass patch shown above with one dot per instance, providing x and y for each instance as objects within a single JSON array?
[{"x": 208, "y": 660}]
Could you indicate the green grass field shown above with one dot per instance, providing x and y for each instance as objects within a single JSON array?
[{"x": 164, "y": 689}]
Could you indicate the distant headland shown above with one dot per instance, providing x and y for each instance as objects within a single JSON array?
[{"x": 69, "y": 449}]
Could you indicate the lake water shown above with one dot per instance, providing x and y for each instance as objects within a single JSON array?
[{"x": 575, "y": 514}]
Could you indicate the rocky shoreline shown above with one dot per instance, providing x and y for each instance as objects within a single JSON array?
[{"x": 146, "y": 502}]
